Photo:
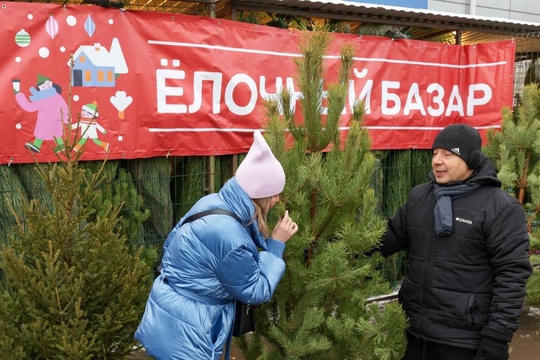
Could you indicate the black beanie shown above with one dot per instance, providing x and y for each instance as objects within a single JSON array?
[{"x": 463, "y": 140}]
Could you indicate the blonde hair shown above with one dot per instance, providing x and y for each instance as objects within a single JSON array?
[{"x": 262, "y": 206}]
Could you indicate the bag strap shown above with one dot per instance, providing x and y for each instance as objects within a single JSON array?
[
  {"x": 200, "y": 215},
  {"x": 209, "y": 212}
]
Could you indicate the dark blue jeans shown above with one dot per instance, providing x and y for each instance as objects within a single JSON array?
[{"x": 418, "y": 349}]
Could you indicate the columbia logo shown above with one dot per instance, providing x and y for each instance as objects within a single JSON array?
[
  {"x": 458, "y": 219},
  {"x": 455, "y": 150}
]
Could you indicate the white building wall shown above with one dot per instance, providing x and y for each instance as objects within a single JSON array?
[{"x": 519, "y": 10}]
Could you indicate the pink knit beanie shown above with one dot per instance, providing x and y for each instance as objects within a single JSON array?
[{"x": 260, "y": 174}]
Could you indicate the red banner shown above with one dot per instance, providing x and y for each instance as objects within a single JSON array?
[{"x": 150, "y": 84}]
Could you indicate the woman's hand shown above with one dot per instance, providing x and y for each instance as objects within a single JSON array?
[{"x": 285, "y": 228}]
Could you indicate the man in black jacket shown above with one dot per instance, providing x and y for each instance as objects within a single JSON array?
[{"x": 468, "y": 255}]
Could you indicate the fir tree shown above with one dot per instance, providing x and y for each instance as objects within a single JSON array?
[
  {"x": 515, "y": 151},
  {"x": 321, "y": 308},
  {"x": 72, "y": 287}
]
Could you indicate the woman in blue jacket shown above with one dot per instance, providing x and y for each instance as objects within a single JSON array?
[{"x": 214, "y": 260}]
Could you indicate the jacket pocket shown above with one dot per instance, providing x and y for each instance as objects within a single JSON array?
[
  {"x": 217, "y": 328},
  {"x": 472, "y": 312},
  {"x": 459, "y": 310},
  {"x": 477, "y": 312}
]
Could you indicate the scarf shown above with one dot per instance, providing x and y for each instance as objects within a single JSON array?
[
  {"x": 43, "y": 94},
  {"x": 443, "y": 208}
]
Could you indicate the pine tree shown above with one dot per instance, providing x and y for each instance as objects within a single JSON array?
[
  {"x": 321, "y": 308},
  {"x": 72, "y": 287},
  {"x": 515, "y": 150}
]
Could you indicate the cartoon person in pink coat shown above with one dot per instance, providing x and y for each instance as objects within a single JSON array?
[{"x": 52, "y": 111}]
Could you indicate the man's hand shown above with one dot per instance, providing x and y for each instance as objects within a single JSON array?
[{"x": 492, "y": 349}]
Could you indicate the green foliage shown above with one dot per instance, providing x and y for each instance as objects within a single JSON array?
[
  {"x": 34, "y": 185},
  {"x": 193, "y": 186},
  {"x": 118, "y": 190},
  {"x": 402, "y": 170},
  {"x": 319, "y": 308},
  {"x": 533, "y": 286},
  {"x": 152, "y": 177},
  {"x": 533, "y": 72},
  {"x": 11, "y": 192},
  {"x": 379, "y": 332},
  {"x": 515, "y": 150},
  {"x": 73, "y": 288},
  {"x": 253, "y": 346}
]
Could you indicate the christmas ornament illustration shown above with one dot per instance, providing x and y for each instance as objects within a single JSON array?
[
  {"x": 22, "y": 38},
  {"x": 90, "y": 26},
  {"x": 51, "y": 26}
]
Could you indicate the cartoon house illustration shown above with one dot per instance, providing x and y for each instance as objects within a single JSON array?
[{"x": 96, "y": 67}]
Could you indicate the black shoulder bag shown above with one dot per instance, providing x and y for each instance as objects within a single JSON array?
[{"x": 244, "y": 319}]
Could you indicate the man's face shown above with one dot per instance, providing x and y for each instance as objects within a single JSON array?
[{"x": 448, "y": 167}]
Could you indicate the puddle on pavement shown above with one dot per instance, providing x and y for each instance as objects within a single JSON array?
[{"x": 526, "y": 342}]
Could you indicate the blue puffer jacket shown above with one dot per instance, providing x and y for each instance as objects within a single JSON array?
[{"x": 206, "y": 265}]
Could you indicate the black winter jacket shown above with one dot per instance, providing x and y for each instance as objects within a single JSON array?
[{"x": 472, "y": 282}]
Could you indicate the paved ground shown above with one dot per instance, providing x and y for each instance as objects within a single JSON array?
[{"x": 526, "y": 342}]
